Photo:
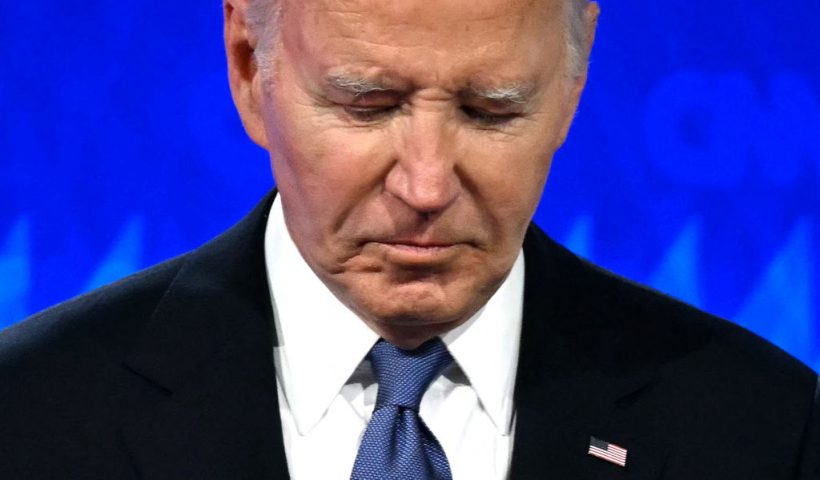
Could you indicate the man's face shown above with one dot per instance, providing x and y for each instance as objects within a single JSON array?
[{"x": 410, "y": 141}]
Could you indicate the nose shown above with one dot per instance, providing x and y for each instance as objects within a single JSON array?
[{"x": 425, "y": 176}]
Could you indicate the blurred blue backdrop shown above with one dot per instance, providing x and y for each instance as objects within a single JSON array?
[{"x": 693, "y": 165}]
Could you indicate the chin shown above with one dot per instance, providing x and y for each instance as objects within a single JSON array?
[
  {"x": 414, "y": 304},
  {"x": 410, "y": 320},
  {"x": 411, "y": 336},
  {"x": 408, "y": 307}
]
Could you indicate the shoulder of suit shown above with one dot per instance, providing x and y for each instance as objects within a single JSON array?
[
  {"x": 98, "y": 324},
  {"x": 656, "y": 310},
  {"x": 89, "y": 335},
  {"x": 646, "y": 326}
]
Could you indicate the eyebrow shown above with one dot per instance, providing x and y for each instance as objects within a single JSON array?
[
  {"x": 356, "y": 85},
  {"x": 517, "y": 94},
  {"x": 511, "y": 94}
]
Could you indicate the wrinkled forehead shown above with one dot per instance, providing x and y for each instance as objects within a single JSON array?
[
  {"x": 429, "y": 14},
  {"x": 438, "y": 39},
  {"x": 428, "y": 11}
]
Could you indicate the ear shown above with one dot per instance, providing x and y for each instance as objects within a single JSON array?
[
  {"x": 591, "y": 13},
  {"x": 243, "y": 74}
]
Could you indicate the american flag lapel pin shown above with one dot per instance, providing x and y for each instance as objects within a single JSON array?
[{"x": 607, "y": 451}]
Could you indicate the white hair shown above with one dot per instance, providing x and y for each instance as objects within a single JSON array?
[
  {"x": 264, "y": 18},
  {"x": 577, "y": 41}
]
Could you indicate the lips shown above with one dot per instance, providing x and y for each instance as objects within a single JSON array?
[
  {"x": 419, "y": 252},
  {"x": 419, "y": 245},
  {"x": 419, "y": 249}
]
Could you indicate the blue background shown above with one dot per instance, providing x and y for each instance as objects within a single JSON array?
[{"x": 693, "y": 165}]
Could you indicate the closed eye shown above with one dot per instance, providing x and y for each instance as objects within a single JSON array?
[
  {"x": 488, "y": 119},
  {"x": 369, "y": 114}
]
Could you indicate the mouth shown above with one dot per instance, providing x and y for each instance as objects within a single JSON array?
[
  {"x": 421, "y": 247},
  {"x": 419, "y": 253}
]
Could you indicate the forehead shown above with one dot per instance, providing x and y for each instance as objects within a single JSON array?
[
  {"x": 428, "y": 41},
  {"x": 426, "y": 12}
]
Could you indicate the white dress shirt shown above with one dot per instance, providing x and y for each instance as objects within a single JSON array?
[{"x": 327, "y": 391}]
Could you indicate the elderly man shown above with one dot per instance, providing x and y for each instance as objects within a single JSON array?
[{"x": 391, "y": 312}]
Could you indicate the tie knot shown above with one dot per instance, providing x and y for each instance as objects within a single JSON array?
[{"x": 404, "y": 375}]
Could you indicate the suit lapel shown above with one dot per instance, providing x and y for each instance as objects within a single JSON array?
[
  {"x": 199, "y": 398},
  {"x": 573, "y": 379}
]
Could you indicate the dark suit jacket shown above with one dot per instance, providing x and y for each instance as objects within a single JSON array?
[{"x": 168, "y": 374}]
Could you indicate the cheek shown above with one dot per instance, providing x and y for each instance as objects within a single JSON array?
[
  {"x": 508, "y": 177},
  {"x": 316, "y": 145},
  {"x": 325, "y": 173}
]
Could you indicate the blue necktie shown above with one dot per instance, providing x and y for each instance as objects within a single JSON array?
[{"x": 397, "y": 445}]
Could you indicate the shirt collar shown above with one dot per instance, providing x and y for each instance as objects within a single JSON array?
[
  {"x": 486, "y": 347},
  {"x": 321, "y": 341}
]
